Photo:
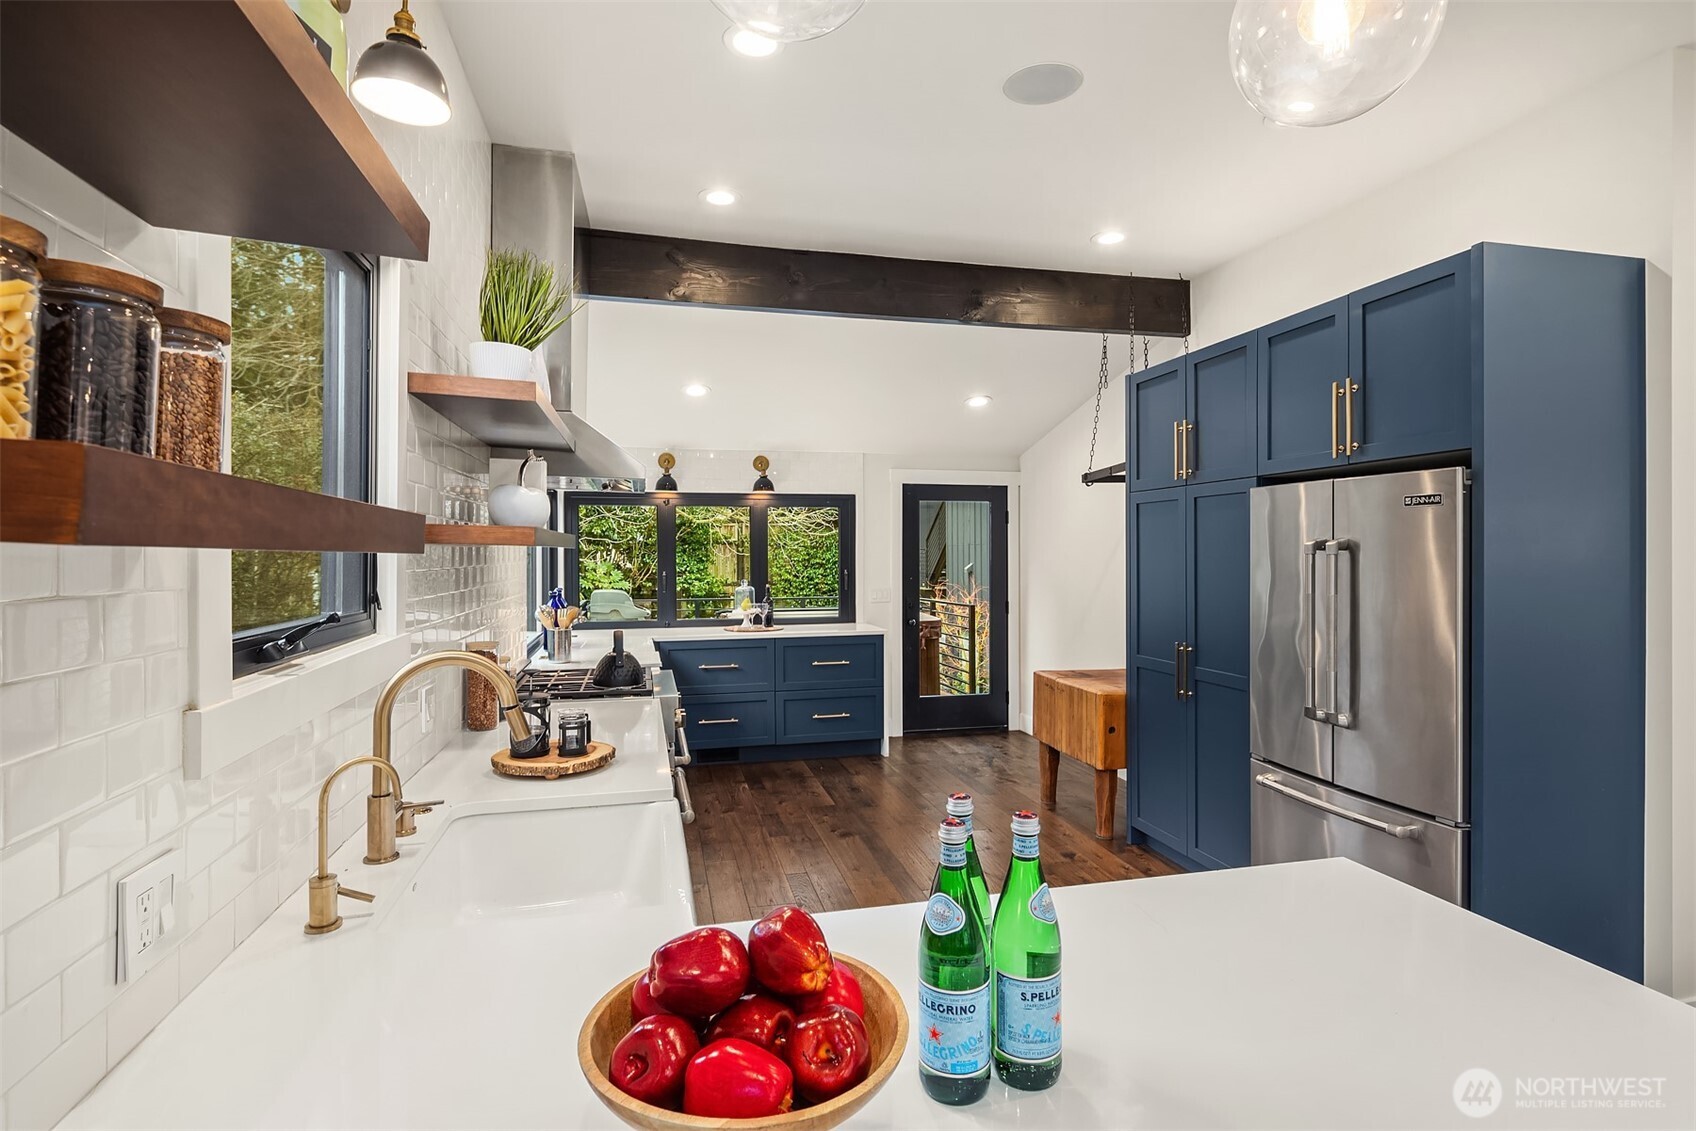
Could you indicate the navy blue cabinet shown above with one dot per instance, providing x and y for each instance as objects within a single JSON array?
[
  {"x": 1193, "y": 417},
  {"x": 789, "y": 697},
  {"x": 1410, "y": 364},
  {"x": 1188, "y": 671},
  {"x": 1303, "y": 362}
]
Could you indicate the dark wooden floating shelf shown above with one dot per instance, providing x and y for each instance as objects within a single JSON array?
[
  {"x": 206, "y": 115},
  {"x": 501, "y": 413},
  {"x": 1113, "y": 473},
  {"x": 463, "y": 534},
  {"x": 79, "y": 495}
]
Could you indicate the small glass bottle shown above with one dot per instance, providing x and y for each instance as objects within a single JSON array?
[
  {"x": 954, "y": 982},
  {"x": 21, "y": 250},
  {"x": 1026, "y": 949},
  {"x": 960, "y": 806},
  {"x": 194, "y": 369}
]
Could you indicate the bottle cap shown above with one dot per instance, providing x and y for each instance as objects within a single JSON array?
[
  {"x": 952, "y": 831},
  {"x": 959, "y": 805},
  {"x": 1025, "y": 823}
]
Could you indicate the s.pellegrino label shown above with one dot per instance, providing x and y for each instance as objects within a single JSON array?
[
  {"x": 955, "y": 988},
  {"x": 1026, "y": 949}
]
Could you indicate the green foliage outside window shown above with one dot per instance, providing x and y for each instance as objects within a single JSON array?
[
  {"x": 618, "y": 547},
  {"x": 712, "y": 559},
  {"x": 803, "y": 557}
]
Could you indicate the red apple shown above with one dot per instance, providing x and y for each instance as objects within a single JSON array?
[
  {"x": 735, "y": 1079},
  {"x": 842, "y": 989},
  {"x": 829, "y": 1052},
  {"x": 642, "y": 1003},
  {"x": 652, "y": 1059},
  {"x": 699, "y": 973},
  {"x": 789, "y": 953},
  {"x": 760, "y": 1020}
]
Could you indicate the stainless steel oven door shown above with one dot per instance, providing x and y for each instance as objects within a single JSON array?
[{"x": 1293, "y": 817}]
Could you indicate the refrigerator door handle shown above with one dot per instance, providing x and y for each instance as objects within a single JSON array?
[
  {"x": 1400, "y": 832},
  {"x": 1307, "y": 630},
  {"x": 1341, "y": 553}
]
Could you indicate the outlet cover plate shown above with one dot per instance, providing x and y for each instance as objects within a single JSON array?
[{"x": 148, "y": 914}]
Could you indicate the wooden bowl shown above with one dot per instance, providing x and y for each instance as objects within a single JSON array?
[{"x": 886, "y": 1025}]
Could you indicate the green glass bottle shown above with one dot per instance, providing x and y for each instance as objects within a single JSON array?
[
  {"x": 1026, "y": 949},
  {"x": 960, "y": 805},
  {"x": 954, "y": 982}
]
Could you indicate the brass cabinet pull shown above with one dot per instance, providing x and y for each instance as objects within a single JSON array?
[
  {"x": 831, "y": 663},
  {"x": 714, "y": 722},
  {"x": 1351, "y": 388},
  {"x": 1189, "y": 467},
  {"x": 1336, "y": 395},
  {"x": 1177, "y": 473},
  {"x": 837, "y": 715},
  {"x": 719, "y": 667}
]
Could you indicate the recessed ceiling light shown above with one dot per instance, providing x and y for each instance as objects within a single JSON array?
[
  {"x": 722, "y": 197},
  {"x": 979, "y": 401},
  {"x": 1043, "y": 84},
  {"x": 750, "y": 43},
  {"x": 1107, "y": 238},
  {"x": 695, "y": 390}
]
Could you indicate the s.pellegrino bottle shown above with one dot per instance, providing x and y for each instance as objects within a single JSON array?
[
  {"x": 960, "y": 805},
  {"x": 954, "y": 982},
  {"x": 1026, "y": 949}
]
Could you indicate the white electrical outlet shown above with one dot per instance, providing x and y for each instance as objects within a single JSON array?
[
  {"x": 879, "y": 596},
  {"x": 147, "y": 914}
]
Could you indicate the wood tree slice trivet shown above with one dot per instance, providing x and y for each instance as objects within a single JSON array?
[{"x": 551, "y": 765}]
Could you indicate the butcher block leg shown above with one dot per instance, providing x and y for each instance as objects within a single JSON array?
[
  {"x": 1106, "y": 793},
  {"x": 1048, "y": 766}
]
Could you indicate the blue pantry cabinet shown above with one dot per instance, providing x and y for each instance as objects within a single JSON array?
[{"x": 1528, "y": 366}]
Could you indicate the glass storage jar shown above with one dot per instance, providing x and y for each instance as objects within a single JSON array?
[
  {"x": 98, "y": 378},
  {"x": 21, "y": 250},
  {"x": 194, "y": 370}
]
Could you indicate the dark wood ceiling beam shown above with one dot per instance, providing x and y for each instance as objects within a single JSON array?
[{"x": 623, "y": 265}]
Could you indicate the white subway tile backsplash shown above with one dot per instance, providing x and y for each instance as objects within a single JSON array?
[
  {"x": 41, "y": 946},
  {"x": 89, "y": 985},
  {"x": 29, "y": 877},
  {"x": 165, "y": 568},
  {"x": 209, "y": 836},
  {"x": 142, "y": 1005},
  {"x": 98, "y": 840},
  {"x": 87, "y": 570},
  {"x": 28, "y": 1033},
  {"x": 50, "y": 636},
  {"x": 30, "y": 714},
  {"x": 45, "y": 788},
  {"x": 31, "y": 176},
  {"x": 101, "y": 698},
  {"x": 205, "y": 948},
  {"x": 167, "y": 806},
  {"x": 167, "y": 682},
  {"x": 43, "y": 1097},
  {"x": 255, "y": 904},
  {"x": 137, "y": 624},
  {"x": 28, "y": 570}
]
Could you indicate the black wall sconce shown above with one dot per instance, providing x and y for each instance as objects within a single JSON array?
[
  {"x": 763, "y": 465},
  {"x": 666, "y": 482}
]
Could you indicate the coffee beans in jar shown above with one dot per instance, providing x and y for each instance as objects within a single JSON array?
[
  {"x": 99, "y": 356},
  {"x": 21, "y": 250},
  {"x": 193, "y": 367}
]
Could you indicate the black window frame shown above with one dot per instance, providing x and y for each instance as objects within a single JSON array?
[
  {"x": 559, "y": 567},
  {"x": 349, "y": 446}
]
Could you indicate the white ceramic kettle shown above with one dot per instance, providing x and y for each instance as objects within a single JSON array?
[{"x": 514, "y": 504}]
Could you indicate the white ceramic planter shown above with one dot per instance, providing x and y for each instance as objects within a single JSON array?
[{"x": 503, "y": 360}]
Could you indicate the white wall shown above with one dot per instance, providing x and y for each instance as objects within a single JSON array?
[
  {"x": 104, "y": 649},
  {"x": 1606, "y": 170}
]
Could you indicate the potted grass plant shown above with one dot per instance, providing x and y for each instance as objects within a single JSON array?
[{"x": 523, "y": 301}]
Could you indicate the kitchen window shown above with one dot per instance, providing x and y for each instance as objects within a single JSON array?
[
  {"x": 300, "y": 416},
  {"x": 678, "y": 558}
]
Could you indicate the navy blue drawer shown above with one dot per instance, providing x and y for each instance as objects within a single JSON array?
[
  {"x": 727, "y": 720},
  {"x": 709, "y": 667},
  {"x": 828, "y": 662},
  {"x": 810, "y": 716}
]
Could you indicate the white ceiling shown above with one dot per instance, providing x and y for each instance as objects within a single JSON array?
[{"x": 891, "y": 136}]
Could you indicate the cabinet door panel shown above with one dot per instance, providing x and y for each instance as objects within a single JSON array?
[
  {"x": 1158, "y": 750},
  {"x": 1410, "y": 351},
  {"x": 1159, "y": 758},
  {"x": 1218, "y": 518},
  {"x": 1299, "y": 359},
  {"x": 1222, "y": 397},
  {"x": 1219, "y": 825},
  {"x": 1156, "y": 555},
  {"x": 1156, "y": 404}
]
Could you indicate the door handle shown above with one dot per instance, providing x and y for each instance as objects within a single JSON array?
[
  {"x": 836, "y": 715},
  {"x": 1177, "y": 468},
  {"x": 719, "y": 667},
  {"x": 1307, "y": 632},
  {"x": 715, "y": 722},
  {"x": 1350, "y": 388},
  {"x": 831, "y": 663},
  {"x": 1400, "y": 832},
  {"x": 1189, "y": 468},
  {"x": 1336, "y": 395},
  {"x": 1340, "y": 551},
  {"x": 685, "y": 804},
  {"x": 1177, "y": 669}
]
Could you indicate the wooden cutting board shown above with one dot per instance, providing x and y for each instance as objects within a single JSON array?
[{"x": 551, "y": 765}]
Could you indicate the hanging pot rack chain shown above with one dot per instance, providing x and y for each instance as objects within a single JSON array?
[{"x": 1105, "y": 376}]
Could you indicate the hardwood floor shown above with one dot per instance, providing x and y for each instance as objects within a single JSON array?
[{"x": 837, "y": 833}]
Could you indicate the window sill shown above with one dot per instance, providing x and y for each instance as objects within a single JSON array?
[{"x": 267, "y": 705}]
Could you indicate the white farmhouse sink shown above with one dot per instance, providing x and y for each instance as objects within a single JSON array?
[{"x": 549, "y": 862}]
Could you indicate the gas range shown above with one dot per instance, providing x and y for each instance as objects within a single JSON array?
[{"x": 575, "y": 683}]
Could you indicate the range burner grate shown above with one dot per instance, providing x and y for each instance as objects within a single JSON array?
[{"x": 575, "y": 683}]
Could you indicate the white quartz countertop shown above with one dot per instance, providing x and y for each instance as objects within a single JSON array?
[
  {"x": 1316, "y": 995},
  {"x": 589, "y": 644}
]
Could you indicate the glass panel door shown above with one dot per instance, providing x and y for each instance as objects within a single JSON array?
[{"x": 955, "y": 601}]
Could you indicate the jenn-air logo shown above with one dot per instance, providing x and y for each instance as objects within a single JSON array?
[{"x": 1422, "y": 500}]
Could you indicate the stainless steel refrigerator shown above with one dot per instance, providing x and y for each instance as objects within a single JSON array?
[{"x": 1357, "y": 678}]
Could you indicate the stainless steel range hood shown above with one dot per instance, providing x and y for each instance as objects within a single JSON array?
[{"x": 537, "y": 205}]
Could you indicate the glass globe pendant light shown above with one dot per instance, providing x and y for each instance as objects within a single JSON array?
[
  {"x": 397, "y": 78},
  {"x": 789, "y": 21},
  {"x": 1320, "y": 62}
]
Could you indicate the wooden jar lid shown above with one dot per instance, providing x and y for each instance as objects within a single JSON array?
[
  {"x": 19, "y": 233},
  {"x": 88, "y": 275},
  {"x": 173, "y": 317}
]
